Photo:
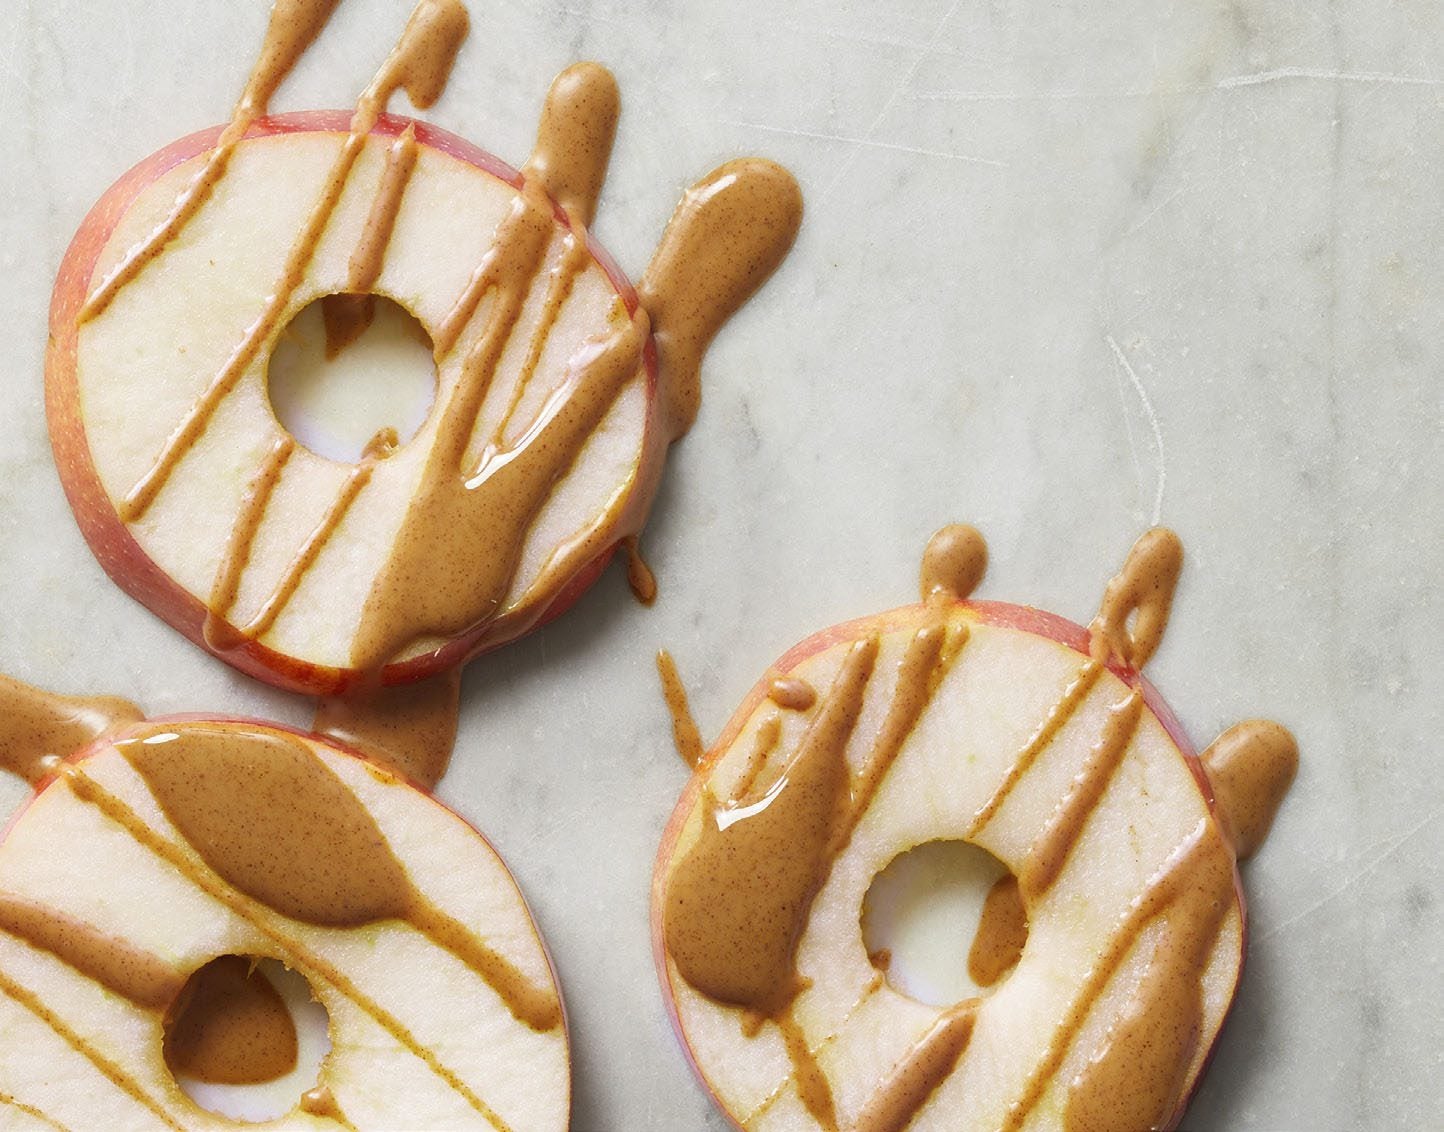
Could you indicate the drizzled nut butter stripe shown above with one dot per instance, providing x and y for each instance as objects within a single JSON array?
[
  {"x": 33, "y": 1003},
  {"x": 185, "y": 860},
  {"x": 294, "y": 26},
  {"x": 419, "y": 64}
]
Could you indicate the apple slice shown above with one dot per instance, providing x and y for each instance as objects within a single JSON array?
[
  {"x": 1018, "y": 732},
  {"x": 168, "y": 844},
  {"x": 554, "y": 404}
]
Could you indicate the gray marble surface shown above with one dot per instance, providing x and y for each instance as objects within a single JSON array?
[{"x": 1067, "y": 268}]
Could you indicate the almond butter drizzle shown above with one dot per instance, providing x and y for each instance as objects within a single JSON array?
[
  {"x": 294, "y": 26},
  {"x": 1154, "y": 1040},
  {"x": 346, "y": 316},
  {"x": 299, "y": 842},
  {"x": 30, "y": 1110},
  {"x": 1002, "y": 933},
  {"x": 32, "y": 1002},
  {"x": 187, "y": 861},
  {"x": 908, "y": 1086},
  {"x": 114, "y": 963},
  {"x": 420, "y": 64},
  {"x": 230, "y": 1026},
  {"x": 738, "y": 902},
  {"x": 1152, "y": 1043},
  {"x": 685, "y": 736},
  {"x": 1050, "y": 850},
  {"x": 640, "y": 579},
  {"x": 1250, "y": 767},
  {"x": 38, "y": 727},
  {"x": 409, "y": 728}
]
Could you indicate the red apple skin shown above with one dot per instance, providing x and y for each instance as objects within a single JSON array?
[
  {"x": 137, "y": 574},
  {"x": 109, "y": 739},
  {"x": 999, "y": 613}
]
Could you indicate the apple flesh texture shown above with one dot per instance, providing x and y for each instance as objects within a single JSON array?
[
  {"x": 62, "y": 852},
  {"x": 1014, "y": 668},
  {"x": 118, "y": 386}
]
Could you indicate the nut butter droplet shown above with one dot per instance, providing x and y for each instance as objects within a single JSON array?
[
  {"x": 1251, "y": 767},
  {"x": 729, "y": 234},
  {"x": 1144, "y": 586},
  {"x": 1002, "y": 933},
  {"x": 293, "y": 27},
  {"x": 953, "y": 563}
]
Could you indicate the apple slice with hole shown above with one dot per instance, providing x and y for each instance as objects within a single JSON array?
[
  {"x": 118, "y": 384},
  {"x": 1034, "y": 742},
  {"x": 170, "y": 844}
]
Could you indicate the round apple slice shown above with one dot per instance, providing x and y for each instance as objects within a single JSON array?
[
  {"x": 303, "y": 570},
  {"x": 170, "y": 844},
  {"x": 1015, "y": 731}
]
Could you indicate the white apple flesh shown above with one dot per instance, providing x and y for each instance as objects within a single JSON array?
[
  {"x": 1012, "y": 671},
  {"x": 376, "y": 980},
  {"x": 119, "y": 384}
]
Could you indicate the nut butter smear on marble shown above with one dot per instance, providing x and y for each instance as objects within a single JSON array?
[
  {"x": 37, "y": 727},
  {"x": 739, "y": 899}
]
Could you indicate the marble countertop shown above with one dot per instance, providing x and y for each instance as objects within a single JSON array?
[{"x": 1066, "y": 269}]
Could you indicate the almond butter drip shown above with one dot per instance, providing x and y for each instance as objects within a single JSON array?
[
  {"x": 1143, "y": 587},
  {"x": 298, "y": 841},
  {"x": 230, "y": 1027},
  {"x": 640, "y": 579},
  {"x": 574, "y": 139},
  {"x": 954, "y": 563},
  {"x": 37, "y": 727},
  {"x": 738, "y": 902},
  {"x": 409, "y": 728},
  {"x": 728, "y": 235},
  {"x": 293, "y": 27},
  {"x": 419, "y": 64},
  {"x": 1002, "y": 933},
  {"x": 118, "y": 966},
  {"x": 1251, "y": 767},
  {"x": 685, "y": 736},
  {"x": 894, "y": 1103},
  {"x": 30, "y": 1110}
]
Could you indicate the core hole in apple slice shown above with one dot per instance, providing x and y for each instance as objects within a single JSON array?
[
  {"x": 246, "y": 1038},
  {"x": 943, "y": 922},
  {"x": 347, "y": 368}
]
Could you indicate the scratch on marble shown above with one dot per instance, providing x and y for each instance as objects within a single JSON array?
[
  {"x": 1281, "y": 74},
  {"x": 872, "y": 143},
  {"x": 1393, "y": 847},
  {"x": 1148, "y": 412},
  {"x": 901, "y": 85}
]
